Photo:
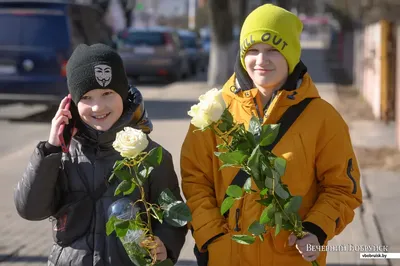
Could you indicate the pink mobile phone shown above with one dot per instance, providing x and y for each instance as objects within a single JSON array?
[{"x": 65, "y": 131}]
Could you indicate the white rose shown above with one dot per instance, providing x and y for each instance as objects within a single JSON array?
[
  {"x": 130, "y": 142},
  {"x": 208, "y": 110}
]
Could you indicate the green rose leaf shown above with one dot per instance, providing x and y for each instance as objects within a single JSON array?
[
  {"x": 145, "y": 173},
  {"x": 269, "y": 183},
  {"x": 166, "y": 198},
  {"x": 250, "y": 139},
  {"x": 223, "y": 126},
  {"x": 287, "y": 226},
  {"x": 280, "y": 165},
  {"x": 278, "y": 222},
  {"x": 276, "y": 177},
  {"x": 157, "y": 214},
  {"x": 267, "y": 214},
  {"x": 118, "y": 164},
  {"x": 264, "y": 191},
  {"x": 135, "y": 224},
  {"x": 244, "y": 146},
  {"x": 256, "y": 228},
  {"x": 235, "y": 157},
  {"x": 227, "y": 165},
  {"x": 123, "y": 174},
  {"x": 244, "y": 239},
  {"x": 227, "y": 117},
  {"x": 269, "y": 134},
  {"x": 294, "y": 204},
  {"x": 130, "y": 191},
  {"x": 154, "y": 157},
  {"x": 166, "y": 262},
  {"x": 266, "y": 201},
  {"x": 281, "y": 192},
  {"x": 234, "y": 191},
  {"x": 121, "y": 228},
  {"x": 110, "y": 225},
  {"x": 255, "y": 126},
  {"x": 221, "y": 146},
  {"x": 254, "y": 165},
  {"x": 112, "y": 176},
  {"x": 177, "y": 214},
  {"x": 123, "y": 187},
  {"x": 227, "y": 204}
]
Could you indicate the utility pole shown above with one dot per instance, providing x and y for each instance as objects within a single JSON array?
[{"x": 192, "y": 5}]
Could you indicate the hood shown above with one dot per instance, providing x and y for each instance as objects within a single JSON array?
[{"x": 134, "y": 115}]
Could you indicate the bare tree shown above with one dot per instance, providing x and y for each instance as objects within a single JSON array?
[
  {"x": 222, "y": 52},
  {"x": 286, "y": 4}
]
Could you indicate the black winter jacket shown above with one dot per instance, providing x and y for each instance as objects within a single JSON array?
[{"x": 52, "y": 178}]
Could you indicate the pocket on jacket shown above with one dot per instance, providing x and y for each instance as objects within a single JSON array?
[{"x": 220, "y": 251}]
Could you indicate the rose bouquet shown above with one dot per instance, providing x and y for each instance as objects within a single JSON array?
[
  {"x": 130, "y": 220},
  {"x": 245, "y": 148}
]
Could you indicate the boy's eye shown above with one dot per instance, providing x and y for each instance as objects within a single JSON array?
[
  {"x": 85, "y": 98},
  {"x": 107, "y": 93},
  {"x": 273, "y": 50}
]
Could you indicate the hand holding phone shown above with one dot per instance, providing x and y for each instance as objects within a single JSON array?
[{"x": 62, "y": 125}]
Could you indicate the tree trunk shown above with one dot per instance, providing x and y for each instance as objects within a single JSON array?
[
  {"x": 242, "y": 11},
  {"x": 222, "y": 53},
  {"x": 286, "y": 4}
]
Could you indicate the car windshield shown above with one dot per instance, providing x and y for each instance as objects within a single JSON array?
[
  {"x": 33, "y": 29},
  {"x": 143, "y": 38},
  {"x": 188, "y": 42}
]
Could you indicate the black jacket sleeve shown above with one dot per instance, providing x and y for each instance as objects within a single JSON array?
[
  {"x": 161, "y": 178},
  {"x": 36, "y": 195}
]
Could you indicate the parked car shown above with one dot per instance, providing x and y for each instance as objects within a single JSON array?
[
  {"x": 36, "y": 40},
  {"x": 153, "y": 51},
  {"x": 197, "y": 55}
]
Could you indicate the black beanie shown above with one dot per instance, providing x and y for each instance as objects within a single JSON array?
[{"x": 95, "y": 67}]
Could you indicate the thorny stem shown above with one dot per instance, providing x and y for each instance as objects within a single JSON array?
[
  {"x": 298, "y": 232},
  {"x": 221, "y": 137}
]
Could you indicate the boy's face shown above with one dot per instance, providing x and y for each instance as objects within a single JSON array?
[
  {"x": 100, "y": 108},
  {"x": 266, "y": 66}
]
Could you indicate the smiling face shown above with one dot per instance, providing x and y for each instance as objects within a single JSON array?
[
  {"x": 100, "y": 108},
  {"x": 266, "y": 66},
  {"x": 103, "y": 74}
]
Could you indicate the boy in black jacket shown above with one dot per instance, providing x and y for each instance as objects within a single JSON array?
[{"x": 102, "y": 105}]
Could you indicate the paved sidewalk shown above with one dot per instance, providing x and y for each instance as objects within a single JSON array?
[{"x": 376, "y": 221}]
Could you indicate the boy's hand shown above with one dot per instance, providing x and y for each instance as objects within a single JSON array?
[
  {"x": 160, "y": 251},
  {"x": 62, "y": 116},
  {"x": 305, "y": 246},
  {"x": 156, "y": 248}
]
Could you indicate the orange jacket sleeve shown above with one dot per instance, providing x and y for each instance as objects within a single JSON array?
[
  {"x": 338, "y": 174},
  {"x": 198, "y": 185}
]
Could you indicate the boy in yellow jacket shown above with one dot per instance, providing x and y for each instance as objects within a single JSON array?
[{"x": 321, "y": 165}]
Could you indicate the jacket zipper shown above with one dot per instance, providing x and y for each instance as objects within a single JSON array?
[
  {"x": 349, "y": 169},
  {"x": 237, "y": 216},
  {"x": 94, "y": 202}
]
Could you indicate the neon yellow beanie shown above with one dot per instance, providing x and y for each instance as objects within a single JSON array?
[{"x": 275, "y": 26}]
